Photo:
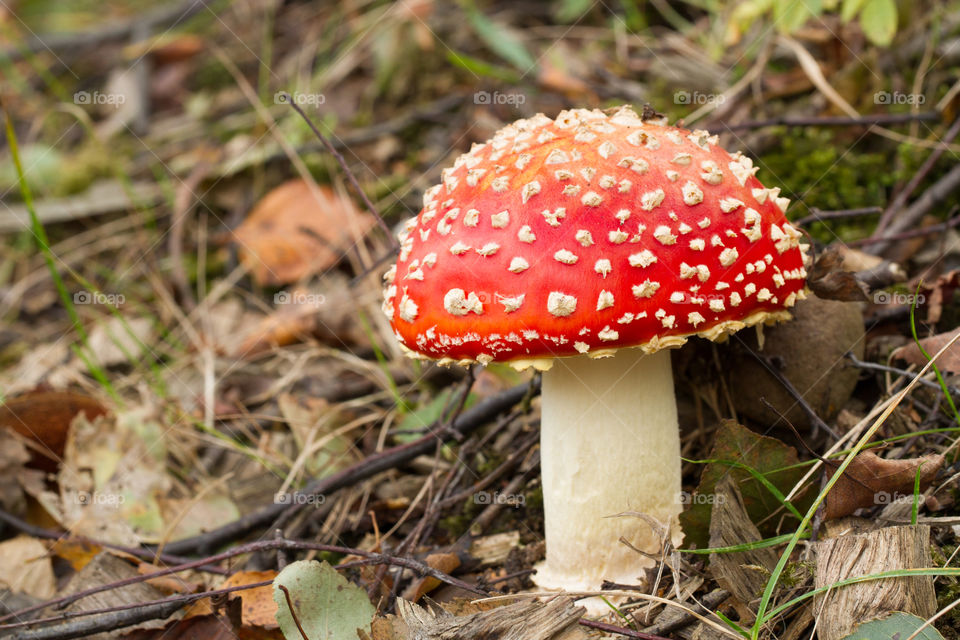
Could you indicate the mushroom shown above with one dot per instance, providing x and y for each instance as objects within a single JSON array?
[{"x": 556, "y": 245}]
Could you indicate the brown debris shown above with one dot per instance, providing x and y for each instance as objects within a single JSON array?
[
  {"x": 871, "y": 480},
  {"x": 840, "y": 610},
  {"x": 949, "y": 362},
  {"x": 297, "y": 230},
  {"x": 745, "y": 573}
]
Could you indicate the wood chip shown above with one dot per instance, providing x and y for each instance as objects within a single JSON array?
[{"x": 840, "y": 610}]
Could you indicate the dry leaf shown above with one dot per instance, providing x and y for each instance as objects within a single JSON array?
[
  {"x": 939, "y": 294},
  {"x": 949, "y": 362},
  {"x": 25, "y": 567},
  {"x": 77, "y": 553},
  {"x": 13, "y": 455},
  {"x": 871, "y": 480},
  {"x": 119, "y": 340},
  {"x": 169, "y": 584},
  {"x": 829, "y": 280},
  {"x": 45, "y": 417},
  {"x": 113, "y": 470},
  {"x": 297, "y": 230},
  {"x": 293, "y": 320},
  {"x": 445, "y": 562},
  {"x": 257, "y": 608}
]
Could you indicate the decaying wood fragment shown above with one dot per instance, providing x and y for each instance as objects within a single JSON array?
[
  {"x": 841, "y": 609},
  {"x": 744, "y": 573},
  {"x": 553, "y": 620}
]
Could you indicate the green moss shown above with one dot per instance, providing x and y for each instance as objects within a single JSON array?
[{"x": 837, "y": 168}]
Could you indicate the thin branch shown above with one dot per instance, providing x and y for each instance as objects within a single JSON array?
[
  {"x": 472, "y": 419},
  {"x": 421, "y": 568},
  {"x": 816, "y": 215}
]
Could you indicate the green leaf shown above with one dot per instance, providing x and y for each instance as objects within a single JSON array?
[
  {"x": 896, "y": 625},
  {"x": 482, "y": 68},
  {"x": 429, "y": 413},
  {"x": 736, "y": 448},
  {"x": 850, "y": 9},
  {"x": 328, "y": 606},
  {"x": 790, "y": 16},
  {"x": 878, "y": 19},
  {"x": 502, "y": 41},
  {"x": 572, "y": 10}
]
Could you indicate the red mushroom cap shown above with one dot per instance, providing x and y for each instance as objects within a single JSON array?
[{"x": 588, "y": 233}]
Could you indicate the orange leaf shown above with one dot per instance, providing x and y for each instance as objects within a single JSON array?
[
  {"x": 297, "y": 230},
  {"x": 77, "y": 553},
  {"x": 257, "y": 606}
]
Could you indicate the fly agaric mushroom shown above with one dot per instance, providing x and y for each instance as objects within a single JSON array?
[{"x": 558, "y": 243}]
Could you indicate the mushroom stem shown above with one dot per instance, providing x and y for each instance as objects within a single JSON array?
[{"x": 609, "y": 444}]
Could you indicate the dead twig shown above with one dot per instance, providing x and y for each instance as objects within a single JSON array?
[
  {"x": 144, "y": 554},
  {"x": 469, "y": 421},
  {"x": 894, "y": 207},
  {"x": 368, "y": 557},
  {"x": 816, "y": 215},
  {"x": 74, "y": 625}
]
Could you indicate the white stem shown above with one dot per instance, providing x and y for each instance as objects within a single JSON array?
[{"x": 609, "y": 443}]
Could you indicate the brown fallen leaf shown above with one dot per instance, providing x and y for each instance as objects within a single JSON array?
[
  {"x": 257, "y": 607},
  {"x": 169, "y": 584},
  {"x": 293, "y": 321},
  {"x": 45, "y": 417},
  {"x": 25, "y": 567},
  {"x": 949, "y": 362},
  {"x": 445, "y": 562},
  {"x": 297, "y": 230},
  {"x": 830, "y": 281},
  {"x": 940, "y": 293},
  {"x": 871, "y": 480}
]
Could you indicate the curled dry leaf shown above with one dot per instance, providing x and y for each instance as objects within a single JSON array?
[
  {"x": 830, "y": 281},
  {"x": 297, "y": 230},
  {"x": 949, "y": 362},
  {"x": 939, "y": 294},
  {"x": 871, "y": 480},
  {"x": 45, "y": 417}
]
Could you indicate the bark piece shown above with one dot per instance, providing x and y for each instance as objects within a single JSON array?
[
  {"x": 554, "y": 620},
  {"x": 744, "y": 573},
  {"x": 840, "y": 610}
]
